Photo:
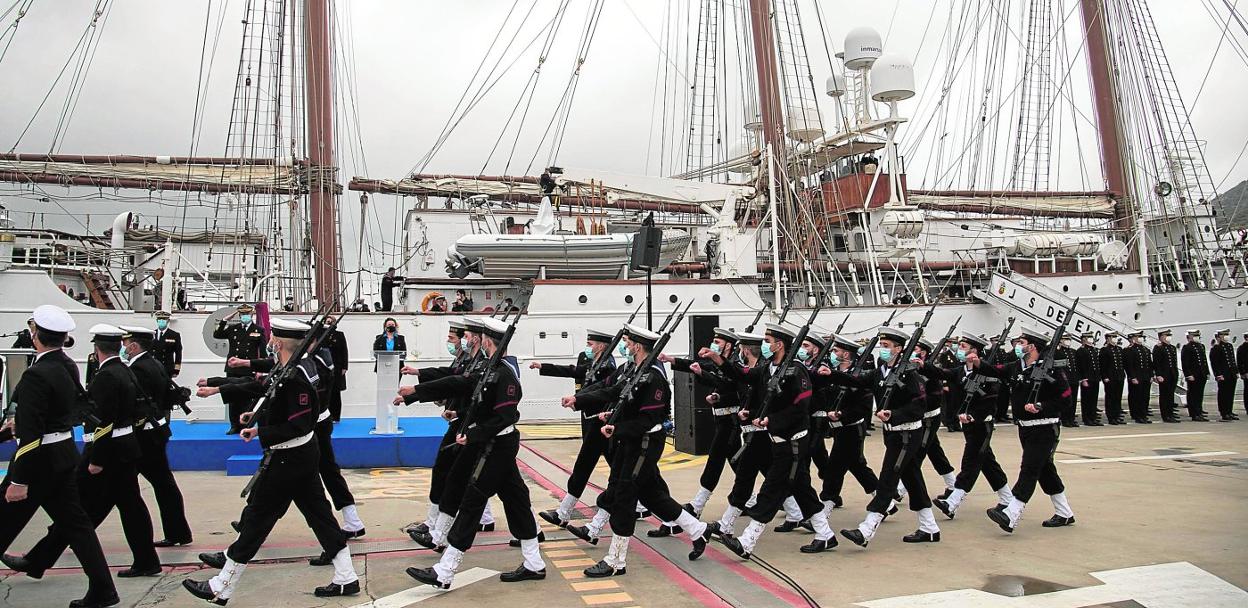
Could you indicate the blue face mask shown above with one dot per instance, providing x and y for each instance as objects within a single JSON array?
[
  {"x": 450, "y": 348},
  {"x": 463, "y": 343},
  {"x": 884, "y": 355},
  {"x": 1018, "y": 351},
  {"x": 767, "y": 350},
  {"x": 803, "y": 354},
  {"x": 245, "y": 319},
  {"x": 623, "y": 350},
  {"x": 833, "y": 359},
  {"x": 961, "y": 355},
  {"x": 715, "y": 348},
  {"x": 125, "y": 355},
  {"x": 589, "y": 352},
  {"x": 161, "y": 323}
]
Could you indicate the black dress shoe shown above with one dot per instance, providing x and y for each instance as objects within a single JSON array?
[
  {"x": 819, "y": 546},
  {"x": 919, "y": 536},
  {"x": 515, "y": 542},
  {"x": 1000, "y": 517},
  {"x": 1227, "y": 418},
  {"x": 324, "y": 559},
  {"x": 891, "y": 511},
  {"x": 837, "y": 502},
  {"x": 1070, "y": 425},
  {"x": 94, "y": 602},
  {"x": 946, "y": 494},
  {"x": 19, "y": 563},
  {"x": 699, "y": 544},
  {"x": 421, "y": 527},
  {"x": 1200, "y": 418},
  {"x": 215, "y": 560},
  {"x": 855, "y": 537},
  {"x": 582, "y": 532},
  {"x": 1145, "y": 421},
  {"x": 427, "y": 576},
  {"x": 203, "y": 591},
  {"x": 664, "y": 531},
  {"x": 715, "y": 532},
  {"x": 1172, "y": 420},
  {"x": 164, "y": 542},
  {"x": 688, "y": 507},
  {"x": 237, "y": 526},
  {"x": 1094, "y": 423},
  {"x": 787, "y": 526},
  {"x": 522, "y": 574},
  {"x": 552, "y": 517},
  {"x": 807, "y": 526},
  {"x": 335, "y": 590},
  {"x": 602, "y": 570},
  {"x": 350, "y": 534},
  {"x": 135, "y": 571},
  {"x": 942, "y": 505},
  {"x": 1057, "y": 521},
  {"x": 423, "y": 539},
  {"x": 734, "y": 545}
]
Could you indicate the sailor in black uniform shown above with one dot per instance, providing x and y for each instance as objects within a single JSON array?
[
  {"x": 593, "y": 445},
  {"x": 1039, "y": 426},
  {"x": 933, "y": 392},
  {"x": 1166, "y": 369},
  {"x": 167, "y": 345},
  {"x": 975, "y": 413},
  {"x": 1113, "y": 375},
  {"x": 637, "y": 442},
  {"x": 246, "y": 342},
  {"x": 1196, "y": 373},
  {"x": 41, "y": 473},
  {"x": 1087, "y": 371},
  {"x": 901, "y": 411},
  {"x": 285, "y": 426},
  {"x": 1066, "y": 352},
  {"x": 848, "y": 409},
  {"x": 154, "y": 434},
  {"x": 106, "y": 475},
  {"x": 1225, "y": 372},
  {"x": 1138, "y": 362},
  {"x": 490, "y": 441}
]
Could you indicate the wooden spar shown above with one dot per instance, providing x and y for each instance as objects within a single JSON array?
[
  {"x": 768, "y": 76},
  {"x": 130, "y": 159},
  {"x": 322, "y": 200},
  {"x": 360, "y": 184}
]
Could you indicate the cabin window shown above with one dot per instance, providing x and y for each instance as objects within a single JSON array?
[
  {"x": 1065, "y": 288},
  {"x": 1119, "y": 286},
  {"x": 628, "y": 299},
  {"x": 672, "y": 298},
  {"x": 582, "y": 299},
  {"x": 715, "y": 298},
  {"x": 1094, "y": 287},
  {"x": 1137, "y": 316}
]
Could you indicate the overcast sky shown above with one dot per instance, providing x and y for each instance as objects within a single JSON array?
[{"x": 412, "y": 60}]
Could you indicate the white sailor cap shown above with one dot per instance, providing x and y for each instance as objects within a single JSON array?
[
  {"x": 637, "y": 334},
  {"x": 54, "y": 319},
  {"x": 134, "y": 332},
  {"x": 474, "y": 325},
  {"x": 1034, "y": 336},
  {"x": 727, "y": 335},
  {"x": 289, "y": 328},
  {"x": 599, "y": 336},
  {"x": 926, "y": 345},
  {"x": 749, "y": 339},
  {"x": 457, "y": 326},
  {"x": 494, "y": 328},
  {"x": 783, "y": 332},
  {"x": 897, "y": 335},
  {"x": 815, "y": 339},
  {"x": 1193, "y": 332},
  {"x": 975, "y": 340},
  {"x": 104, "y": 332},
  {"x": 845, "y": 342}
]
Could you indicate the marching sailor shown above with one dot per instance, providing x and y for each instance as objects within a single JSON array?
[
  {"x": 849, "y": 408},
  {"x": 933, "y": 393}
]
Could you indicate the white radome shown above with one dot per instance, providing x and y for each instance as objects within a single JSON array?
[
  {"x": 892, "y": 79},
  {"x": 863, "y": 46},
  {"x": 835, "y": 85}
]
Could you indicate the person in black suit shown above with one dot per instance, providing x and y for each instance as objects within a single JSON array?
[
  {"x": 389, "y": 339},
  {"x": 246, "y": 342},
  {"x": 336, "y": 342},
  {"x": 1222, "y": 360},
  {"x": 1196, "y": 372},
  {"x": 41, "y": 473},
  {"x": 167, "y": 345},
  {"x": 1166, "y": 368},
  {"x": 1139, "y": 365},
  {"x": 1114, "y": 375},
  {"x": 388, "y": 282},
  {"x": 1088, "y": 373},
  {"x": 106, "y": 476}
]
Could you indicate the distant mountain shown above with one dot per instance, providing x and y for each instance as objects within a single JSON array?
[{"x": 1232, "y": 207}]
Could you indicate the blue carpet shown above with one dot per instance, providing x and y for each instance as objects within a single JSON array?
[{"x": 204, "y": 446}]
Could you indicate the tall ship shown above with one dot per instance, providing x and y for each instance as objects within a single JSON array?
[{"x": 793, "y": 168}]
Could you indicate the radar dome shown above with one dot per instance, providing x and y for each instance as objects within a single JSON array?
[
  {"x": 892, "y": 79},
  {"x": 835, "y": 85},
  {"x": 863, "y": 46}
]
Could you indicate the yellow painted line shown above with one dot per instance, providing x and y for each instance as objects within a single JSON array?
[
  {"x": 566, "y": 553},
  {"x": 606, "y": 598},
  {"x": 572, "y": 574},
  {"x": 573, "y": 563},
  {"x": 560, "y": 544},
  {"x": 596, "y": 585}
]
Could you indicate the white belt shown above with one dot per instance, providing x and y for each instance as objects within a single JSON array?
[
  {"x": 511, "y": 428},
  {"x": 795, "y": 437},
  {"x": 905, "y": 426},
  {"x": 654, "y": 429},
  {"x": 122, "y": 431},
  {"x": 1039, "y": 422},
  {"x": 749, "y": 428},
  {"x": 293, "y": 443},
  {"x": 931, "y": 413},
  {"x": 160, "y": 422},
  {"x": 56, "y": 437},
  {"x": 724, "y": 411},
  {"x": 325, "y": 414},
  {"x": 838, "y": 424}
]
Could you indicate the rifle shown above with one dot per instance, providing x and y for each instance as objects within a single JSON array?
[
  {"x": 864, "y": 355},
  {"x": 1042, "y": 371},
  {"x": 903, "y": 365},
  {"x": 974, "y": 386},
  {"x": 634, "y": 378},
  {"x": 827, "y": 346},
  {"x": 774, "y": 382},
  {"x": 948, "y": 335},
  {"x": 750, "y": 328},
  {"x": 489, "y": 374},
  {"x": 610, "y": 352}
]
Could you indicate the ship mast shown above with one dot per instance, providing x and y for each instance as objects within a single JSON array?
[
  {"x": 768, "y": 80},
  {"x": 318, "y": 88}
]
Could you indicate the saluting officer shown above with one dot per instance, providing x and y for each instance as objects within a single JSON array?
[
  {"x": 1088, "y": 373},
  {"x": 106, "y": 475},
  {"x": 167, "y": 345},
  {"x": 1196, "y": 372},
  {"x": 41, "y": 473},
  {"x": 1166, "y": 367},
  {"x": 593, "y": 444},
  {"x": 1139, "y": 367},
  {"x": 246, "y": 342},
  {"x": 1039, "y": 427},
  {"x": 285, "y": 427},
  {"x": 1222, "y": 360},
  {"x": 848, "y": 409},
  {"x": 1113, "y": 374}
]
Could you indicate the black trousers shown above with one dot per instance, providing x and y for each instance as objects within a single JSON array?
[
  {"x": 1165, "y": 397},
  {"x": 754, "y": 460},
  {"x": 1003, "y": 403},
  {"x": 335, "y": 404},
  {"x": 593, "y": 447},
  {"x": 236, "y": 404},
  {"x": 846, "y": 456},
  {"x": 1113, "y": 398},
  {"x": 291, "y": 476},
  {"x": 977, "y": 457},
  {"x": 116, "y": 486},
  {"x": 1196, "y": 397},
  {"x": 788, "y": 475},
  {"x": 327, "y": 466},
  {"x": 635, "y": 477},
  {"x": 724, "y": 444},
  {"x": 816, "y": 447},
  {"x": 932, "y": 448},
  {"x": 56, "y": 492},
  {"x": 1089, "y": 395},
  {"x": 494, "y": 471},
  {"x": 1039, "y": 445},
  {"x": 903, "y": 452},
  {"x": 1138, "y": 396},
  {"x": 442, "y": 463},
  {"x": 1226, "y": 394},
  {"x": 153, "y": 465},
  {"x": 1069, "y": 413}
]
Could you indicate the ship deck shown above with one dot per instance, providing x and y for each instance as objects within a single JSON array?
[{"x": 1160, "y": 512}]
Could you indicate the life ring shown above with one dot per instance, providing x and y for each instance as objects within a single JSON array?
[{"x": 428, "y": 299}]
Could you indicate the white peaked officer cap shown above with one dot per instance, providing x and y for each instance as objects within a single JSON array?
[
  {"x": 106, "y": 333},
  {"x": 637, "y": 334},
  {"x": 289, "y": 328},
  {"x": 494, "y": 328},
  {"x": 54, "y": 319}
]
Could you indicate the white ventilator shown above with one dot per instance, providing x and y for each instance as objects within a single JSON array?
[
  {"x": 532, "y": 555},
  {"x": 448, "y": 565},
  {"x": 344, "y": 570},
  {"x": 1061, "y": 506},
  {"x": 226, "y": 581},
  {"x": 927, "y": 521},
  {"x": 792, "y": 512},
  {"x": 699, "y": 500},
  {"x": 617, "y": 553},
  {"x": 565, "y": 507},
  {"x": 351, "y": 521},
  {"x": 729, "y": 520},
  {"x": 870, "y": 524}
]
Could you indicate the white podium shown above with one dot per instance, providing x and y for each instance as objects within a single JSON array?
[
  {"x": 14, "y": 361},
  {"x": 388, "y": 365}
]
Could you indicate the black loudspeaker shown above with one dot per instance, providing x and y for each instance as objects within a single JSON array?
[
  {"x": 645, "y": 254},
  {"x": 694, "y": 423}
]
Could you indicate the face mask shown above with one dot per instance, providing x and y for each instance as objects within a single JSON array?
[
  {"x": 589, "y": 352},
  {"x": 884, "y": 355},
  {"x": 463, "y": 343},
  {"x": 390, "y": 329},
  {"x": 960, "y": 355},
  {"x": 767, "y": 350},
  {"x": 245, "y": 319},
  {"x": 161, "y": 324},
  {"x": 450, "y": 348},
  {"x": 1018, "y": 351},
  {"x": 623, "y": 350},
  {"x": 802, "y": 354},
  {"x": 125, "y": 355},
  {"x": 271, "y": 351},
  {"x": 715, "y": 348},
  {"x": 833, "y": 359}
]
